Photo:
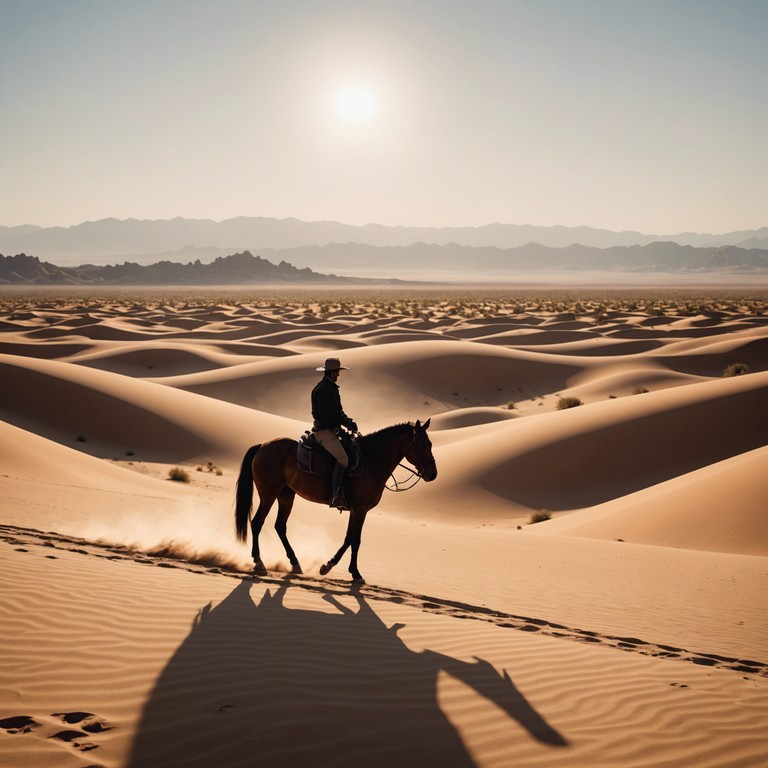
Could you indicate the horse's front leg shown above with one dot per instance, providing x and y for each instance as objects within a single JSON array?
[
  {"x": 352, "y": 539},
  {"x": 334, "y": 561},
  {"x": 356, "y": 526},
  {"x": 355, "y": 544}
]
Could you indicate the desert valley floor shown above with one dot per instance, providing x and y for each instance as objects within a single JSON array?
[{"x": 628, "y": 628}]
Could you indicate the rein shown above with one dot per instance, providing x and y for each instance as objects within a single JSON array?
[
  {"x": 396, "y": 487},
  {"x": 416, "y": 473}
]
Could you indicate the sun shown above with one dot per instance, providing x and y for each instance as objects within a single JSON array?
[{"x": 355, "y": 104}]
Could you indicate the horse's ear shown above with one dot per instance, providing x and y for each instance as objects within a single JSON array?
[{"x": 426, "y": 423}]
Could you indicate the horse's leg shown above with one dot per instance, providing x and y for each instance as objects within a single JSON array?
[
  {"x": 356, "y": 527},
  {"x": 335, "y": 559},
  {"x": 352, "y": 539},
  {"x": 265, "y": 504},
  {"x": 285, "y": 504}
]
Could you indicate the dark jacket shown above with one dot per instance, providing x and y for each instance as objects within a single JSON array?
[{"x": 326, "y": 406}]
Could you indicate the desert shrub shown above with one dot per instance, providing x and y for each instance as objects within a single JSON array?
[
  {"x": 539, "y": 517},
  {"x": 178, "y": 474},
  {"x": 510, "y": 406},
  {"x": 639, "y": 391},
  {"x": 735, "y": 369},
  {"x": 568, "y": 402}
]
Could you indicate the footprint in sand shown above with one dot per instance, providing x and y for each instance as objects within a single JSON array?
[
  {"x": 70, "y": 737},
  {"x": 18, "y": 724},
  {"x": 89, "y": 725},
  {"x": 88, "y": 720}
]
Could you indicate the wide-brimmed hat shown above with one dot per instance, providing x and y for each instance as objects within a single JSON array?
[{"x": 332, "y": 364}]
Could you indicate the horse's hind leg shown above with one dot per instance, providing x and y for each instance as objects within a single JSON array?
[
  {"x": 285, "y": 504},
  {"x": 265, "y": 504}
]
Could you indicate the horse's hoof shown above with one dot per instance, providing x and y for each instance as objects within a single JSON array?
[
  {"x": 324, "y": 568},
  {"x": 358, "y": 580},
  {"x": 259, "y": 569},
  {"x": 296, "y": 569}
]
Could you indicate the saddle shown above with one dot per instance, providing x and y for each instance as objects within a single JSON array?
[{"x": 315, "y": 460}]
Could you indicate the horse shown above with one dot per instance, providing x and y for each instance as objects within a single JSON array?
[{"x": 272, "y": 467}]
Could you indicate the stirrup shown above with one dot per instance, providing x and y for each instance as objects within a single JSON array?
[{"x": 339, "y": 500}]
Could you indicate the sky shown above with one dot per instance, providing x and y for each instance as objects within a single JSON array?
[{"x": 647, "y": 115}]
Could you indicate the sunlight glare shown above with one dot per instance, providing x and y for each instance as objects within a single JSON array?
[{"x": 355, "y": 104}]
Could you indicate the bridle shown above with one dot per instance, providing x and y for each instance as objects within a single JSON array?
[{"x": 398, "y": 487}]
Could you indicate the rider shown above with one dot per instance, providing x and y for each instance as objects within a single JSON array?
[{"x": 329, "y": 416}]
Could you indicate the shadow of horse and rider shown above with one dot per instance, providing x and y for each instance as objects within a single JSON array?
[{"x": 262, "y": 683}]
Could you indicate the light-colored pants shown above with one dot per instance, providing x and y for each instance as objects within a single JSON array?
[{"x": 332, "y": 444}]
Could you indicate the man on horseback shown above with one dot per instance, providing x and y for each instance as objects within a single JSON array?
[{"x": 329, "y": 417}]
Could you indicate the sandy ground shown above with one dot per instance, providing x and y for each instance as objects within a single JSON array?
[{"x": 627, "y": 629}]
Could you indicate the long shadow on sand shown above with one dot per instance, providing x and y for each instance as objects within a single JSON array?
[{"x": 267, "y": 685}]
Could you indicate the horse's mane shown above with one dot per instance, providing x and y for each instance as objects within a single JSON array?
[{"x": 381, "y": 436}]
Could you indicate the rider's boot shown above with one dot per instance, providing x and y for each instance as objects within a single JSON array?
[{"x": 338, "y": 499}]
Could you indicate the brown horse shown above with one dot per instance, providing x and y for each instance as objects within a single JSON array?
[{"x": 273, "y": 468}]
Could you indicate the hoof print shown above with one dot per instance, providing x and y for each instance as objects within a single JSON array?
[
  {"x": 97, "y": 727},
  {"x": 73, "y": 717},
  {"x": 18, "y": 724},
  {"x": 89, "y": 725},
  {"x": 71, "y": 737},
  {"x": 68, "y": 735}
]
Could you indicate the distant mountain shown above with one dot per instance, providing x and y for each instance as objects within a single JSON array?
[
  {"x": 237, "y": 269},
  {"x": 533, "y": 257},
  {"x": 108, "y": 239},
  {"x": 440, "y": 262},
  {"x": 10, "y": 234}
]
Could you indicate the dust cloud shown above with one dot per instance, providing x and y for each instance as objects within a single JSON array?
[{"x": 191, "y": 531}]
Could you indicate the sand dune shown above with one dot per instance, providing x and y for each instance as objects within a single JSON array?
[
  {"x": 721, "y": 507},
  {"x": 135, "y": 636},
  {"x": 158, "y": 359},
  {"x": 588, "y": 455},
  {"x": 115, "y": 415}
]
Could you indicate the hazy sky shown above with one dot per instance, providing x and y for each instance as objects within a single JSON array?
[{"x": 624, "y": 114}]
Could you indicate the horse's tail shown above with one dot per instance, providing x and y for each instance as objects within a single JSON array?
[{"x": 244, "y": 494}]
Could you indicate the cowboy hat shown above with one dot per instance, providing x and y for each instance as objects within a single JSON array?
[{"x": 332, "y": 364}]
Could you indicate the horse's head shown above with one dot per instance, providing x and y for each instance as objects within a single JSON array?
[{"x": 419, "y": 452}]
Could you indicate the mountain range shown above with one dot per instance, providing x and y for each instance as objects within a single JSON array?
[
  {"x": 437, "y": 261},
  {"x": 106, "y": 240},
  {"x": 236, "y": 269}
]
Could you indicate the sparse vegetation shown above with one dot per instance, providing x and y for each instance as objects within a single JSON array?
[
  {"x": 209, "y": 467},
  {"x": 735, "y": 369},
  {"x": 639, "y": 391},
  {"x": 568, "y": 402},
  {"x": 539, "y": 517},
  {"x": 178, "y": 474},
  {"x": 318, "y": 304}
]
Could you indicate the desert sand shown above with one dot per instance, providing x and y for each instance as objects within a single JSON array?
[{"x": 627, "y": 629}]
